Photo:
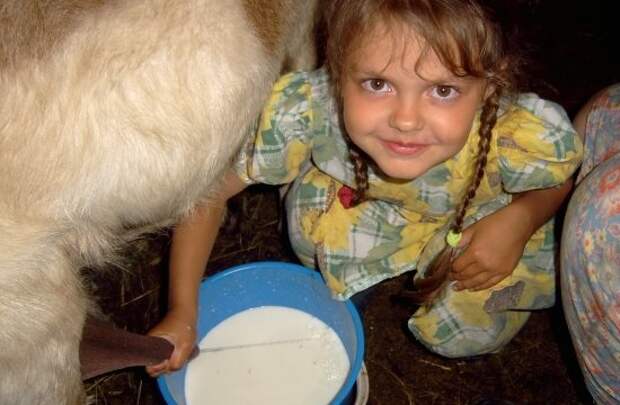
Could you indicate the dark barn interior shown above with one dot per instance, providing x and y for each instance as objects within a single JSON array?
[{"x": 574, "y": 52}]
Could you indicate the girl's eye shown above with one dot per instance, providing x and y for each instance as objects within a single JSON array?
[
  {"x": 376, "y": 86},
  {"x": 445, "y": 92}
]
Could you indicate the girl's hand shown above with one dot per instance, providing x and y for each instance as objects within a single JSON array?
[
  {"x": 493, "y": 247},
  {"x": 179, "y": 331}
]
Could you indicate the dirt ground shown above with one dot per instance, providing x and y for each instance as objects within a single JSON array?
[{"x": 572, "y": 44}]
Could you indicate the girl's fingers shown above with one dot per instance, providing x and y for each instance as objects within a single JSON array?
[
  {"x": 473, "y": 282},
  {"x": 181, "y": 353},
  {"x": 157, "y": 369},
  {"x": 463, "y": 261},
  {"x": 177, "y": 360},
  {"x": 490, "y": 282},
  {"x": 468, "y": 257},
  {"x": 468, "y": 272}
]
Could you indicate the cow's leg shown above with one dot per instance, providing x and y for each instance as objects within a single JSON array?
[{"x": 42, "y": 311}]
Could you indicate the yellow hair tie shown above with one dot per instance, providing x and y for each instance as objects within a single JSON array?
[{"x": 453, "y": 238}]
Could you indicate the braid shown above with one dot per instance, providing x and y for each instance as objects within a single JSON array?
[
  {"x": 361, "y": 174},
  {"x": 488, "y": 118},
  {"x": 426, "y": 288},
  {"x": 360, "y": 166}
]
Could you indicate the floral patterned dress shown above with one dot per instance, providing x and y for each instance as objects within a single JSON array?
[
  {"x": 590, "y": 266},
  {"x": 403, "y": 225}
]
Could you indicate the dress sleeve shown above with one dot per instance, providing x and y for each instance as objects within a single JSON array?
[
  {"x": 282, "y": 140},
  {"x": 537, "y": 145}
]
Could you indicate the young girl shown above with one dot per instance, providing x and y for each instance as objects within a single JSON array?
[{"x": 408, "y": 139}]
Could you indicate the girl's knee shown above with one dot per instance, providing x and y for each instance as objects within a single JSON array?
[
  {"x": 463, "y": 344},
  {"x": 456, "y": 338}
]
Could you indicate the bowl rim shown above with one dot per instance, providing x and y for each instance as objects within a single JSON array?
[{"x": 357, "y": 322}]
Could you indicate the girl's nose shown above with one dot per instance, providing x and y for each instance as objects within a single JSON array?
[{"x": 406, "y": 116}]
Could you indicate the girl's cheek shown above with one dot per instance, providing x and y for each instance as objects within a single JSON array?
[
  {"x": 350, "y": 116},
  {"x": 370, "y": 111}
]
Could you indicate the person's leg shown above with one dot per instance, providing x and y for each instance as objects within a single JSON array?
[
  {"x": 460, "y": 327},
  {"x": 591, "y": 278},
  {"x": 591, "y": 249},
  {"x": 464, "y": 324}
]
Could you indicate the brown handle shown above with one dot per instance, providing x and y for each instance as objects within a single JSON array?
[{"x": 105, "y": 348}]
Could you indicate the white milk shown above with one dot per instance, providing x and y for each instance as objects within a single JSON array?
[{"x": 307, "y": 364}]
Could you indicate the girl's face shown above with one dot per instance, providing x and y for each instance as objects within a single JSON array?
[{"x": 407, "y": 121}]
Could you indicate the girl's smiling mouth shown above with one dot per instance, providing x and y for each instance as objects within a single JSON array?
[{"x": 404, "y": 148}]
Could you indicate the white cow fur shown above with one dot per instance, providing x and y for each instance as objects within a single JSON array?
[{"x": 127, "y": 120}]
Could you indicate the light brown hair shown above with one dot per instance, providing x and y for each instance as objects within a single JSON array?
[{"x": 468, "y": 40}]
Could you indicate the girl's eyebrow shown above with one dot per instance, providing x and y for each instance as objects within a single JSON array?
[
  {"x": 452, "y": 79},
  {"x": 366, "y": 69},
  {"x": 370, "y": 72},
  {"x": 446, "y": 77},
  {"x": 440, "y": 79}
]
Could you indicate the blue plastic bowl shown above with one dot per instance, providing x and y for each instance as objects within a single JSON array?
[{"x": 273, "y": 283}]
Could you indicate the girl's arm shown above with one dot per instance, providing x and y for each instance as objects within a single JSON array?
[
  {"x": 494, "y": 245},
  {"x": 192, "y": 242}
]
